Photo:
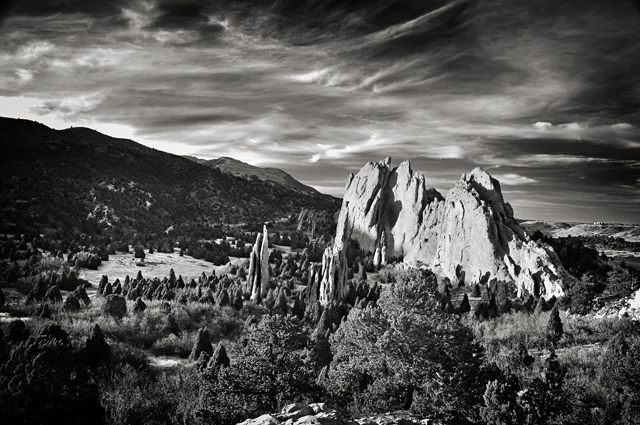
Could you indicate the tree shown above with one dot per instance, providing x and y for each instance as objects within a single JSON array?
[
  {"x": 139, "y": 253},
  {"x": 465, "y": 307},
  {"x": 268, "y": 373},
  {"x": 544, "y": 399},
  {"x": 555, "y": 330},
  {"x": 42, "y": 380},
  {"x": 407, "y": 354},
  {"x": 501, "y": 402},
  {"x": 620, "y": 372}
]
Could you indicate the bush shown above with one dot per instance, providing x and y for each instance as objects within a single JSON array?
[
  {"x": 268, "y": 373},
  {"x": 407, "y": 354},
  {"x": 139, "y": 253},
  {"x": 42, "y": 379}
]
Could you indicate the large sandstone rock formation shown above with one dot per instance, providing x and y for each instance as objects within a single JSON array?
[
  {"x": 258, "y": 277},
  {"x": 471, "y": 235}
]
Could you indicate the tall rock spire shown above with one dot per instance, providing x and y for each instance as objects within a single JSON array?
[{"x": 258, "y": 276}]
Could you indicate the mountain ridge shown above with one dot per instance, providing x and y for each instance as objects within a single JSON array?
[
  {"x": 80, "y": 180},
  {"x": 242, "y": 169}
]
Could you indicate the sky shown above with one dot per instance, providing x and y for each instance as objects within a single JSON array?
[{"x": 542, "y": 94}]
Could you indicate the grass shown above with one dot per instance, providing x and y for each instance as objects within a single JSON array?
[
  {"x": 164, "y": 334},
  {"x": 503, "y": 334}
]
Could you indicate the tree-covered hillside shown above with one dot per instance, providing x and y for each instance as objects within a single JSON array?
[{"x": 79, "y": 180}]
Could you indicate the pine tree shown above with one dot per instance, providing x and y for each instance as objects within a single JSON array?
[
  {"x": 270, "y": 300},
  {"x": 465, "y": 307},
  {"x": 555, "y": 329}
]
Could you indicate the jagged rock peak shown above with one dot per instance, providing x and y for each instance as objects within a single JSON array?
[{"x": 472, "y": 236}]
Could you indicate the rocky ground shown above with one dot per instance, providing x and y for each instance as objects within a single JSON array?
[{"x": 318, "y": 414}]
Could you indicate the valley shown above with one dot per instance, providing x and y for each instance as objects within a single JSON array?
[{"x": 255, "y": 297}]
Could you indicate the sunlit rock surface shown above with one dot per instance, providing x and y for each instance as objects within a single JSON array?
[{"x": 470, "y": 235}]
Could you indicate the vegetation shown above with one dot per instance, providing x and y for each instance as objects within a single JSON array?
[
  {"x": 399, "y": 340},
  {"x": 133, "y": 194}
]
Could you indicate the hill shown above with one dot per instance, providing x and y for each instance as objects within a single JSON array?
[
  {"x": 79, "y": 180},
  {"x": 247, "y": 171}
]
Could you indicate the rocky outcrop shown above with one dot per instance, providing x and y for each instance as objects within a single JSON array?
[
  {"x": 319, "y": 414},
  {"x": 470, "y": 236},
  {"x": 258, "y": 277}
]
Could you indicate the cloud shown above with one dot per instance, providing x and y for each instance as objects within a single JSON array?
[
  {"x": 546, "y": 98},
  {"x": 512, "y": 179},
  {"x": 68, "y": 107}
]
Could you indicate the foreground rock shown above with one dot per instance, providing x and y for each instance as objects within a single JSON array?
[
  {"x": 317, "y": 414},
  {"x": 471, "y": 236}
]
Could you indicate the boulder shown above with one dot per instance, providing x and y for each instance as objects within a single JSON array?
[
  {"x": 115, "y": 306},
  {"x": 301, "y": 414},
  {"x": 261, "y": 420}
]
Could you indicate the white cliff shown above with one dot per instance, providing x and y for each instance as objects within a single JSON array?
[{"x": 471, "y": 235}]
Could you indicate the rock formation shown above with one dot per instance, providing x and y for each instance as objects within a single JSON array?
[
  {"x": 470, "y": 236},
  {"x": 258, "y": 277},
  {"x": 319, "y": 414}
]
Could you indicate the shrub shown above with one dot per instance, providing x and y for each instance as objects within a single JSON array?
[
  {"x": 268, "y": 373},
  {"x": 42, "y": 380},
  {"x": 406, "y": 354},
  {"x": 555, "y": 329}
]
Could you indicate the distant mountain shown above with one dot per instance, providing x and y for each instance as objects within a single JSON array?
[
  {"x": 242, "y": 169},
  {"x": 79, "y": 180}
]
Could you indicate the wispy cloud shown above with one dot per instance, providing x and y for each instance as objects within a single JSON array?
[{"x": 545, "y": 98}]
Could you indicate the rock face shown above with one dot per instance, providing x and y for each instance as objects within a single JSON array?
[
  {"x": 471, "y": 235},
  {"x": 258, "y": 277}
]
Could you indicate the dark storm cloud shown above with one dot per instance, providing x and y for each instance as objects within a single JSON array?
[{"x": 545, "y": 95}]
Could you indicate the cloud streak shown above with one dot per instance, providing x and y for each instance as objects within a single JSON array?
[{"x": 543, "y": 96}]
